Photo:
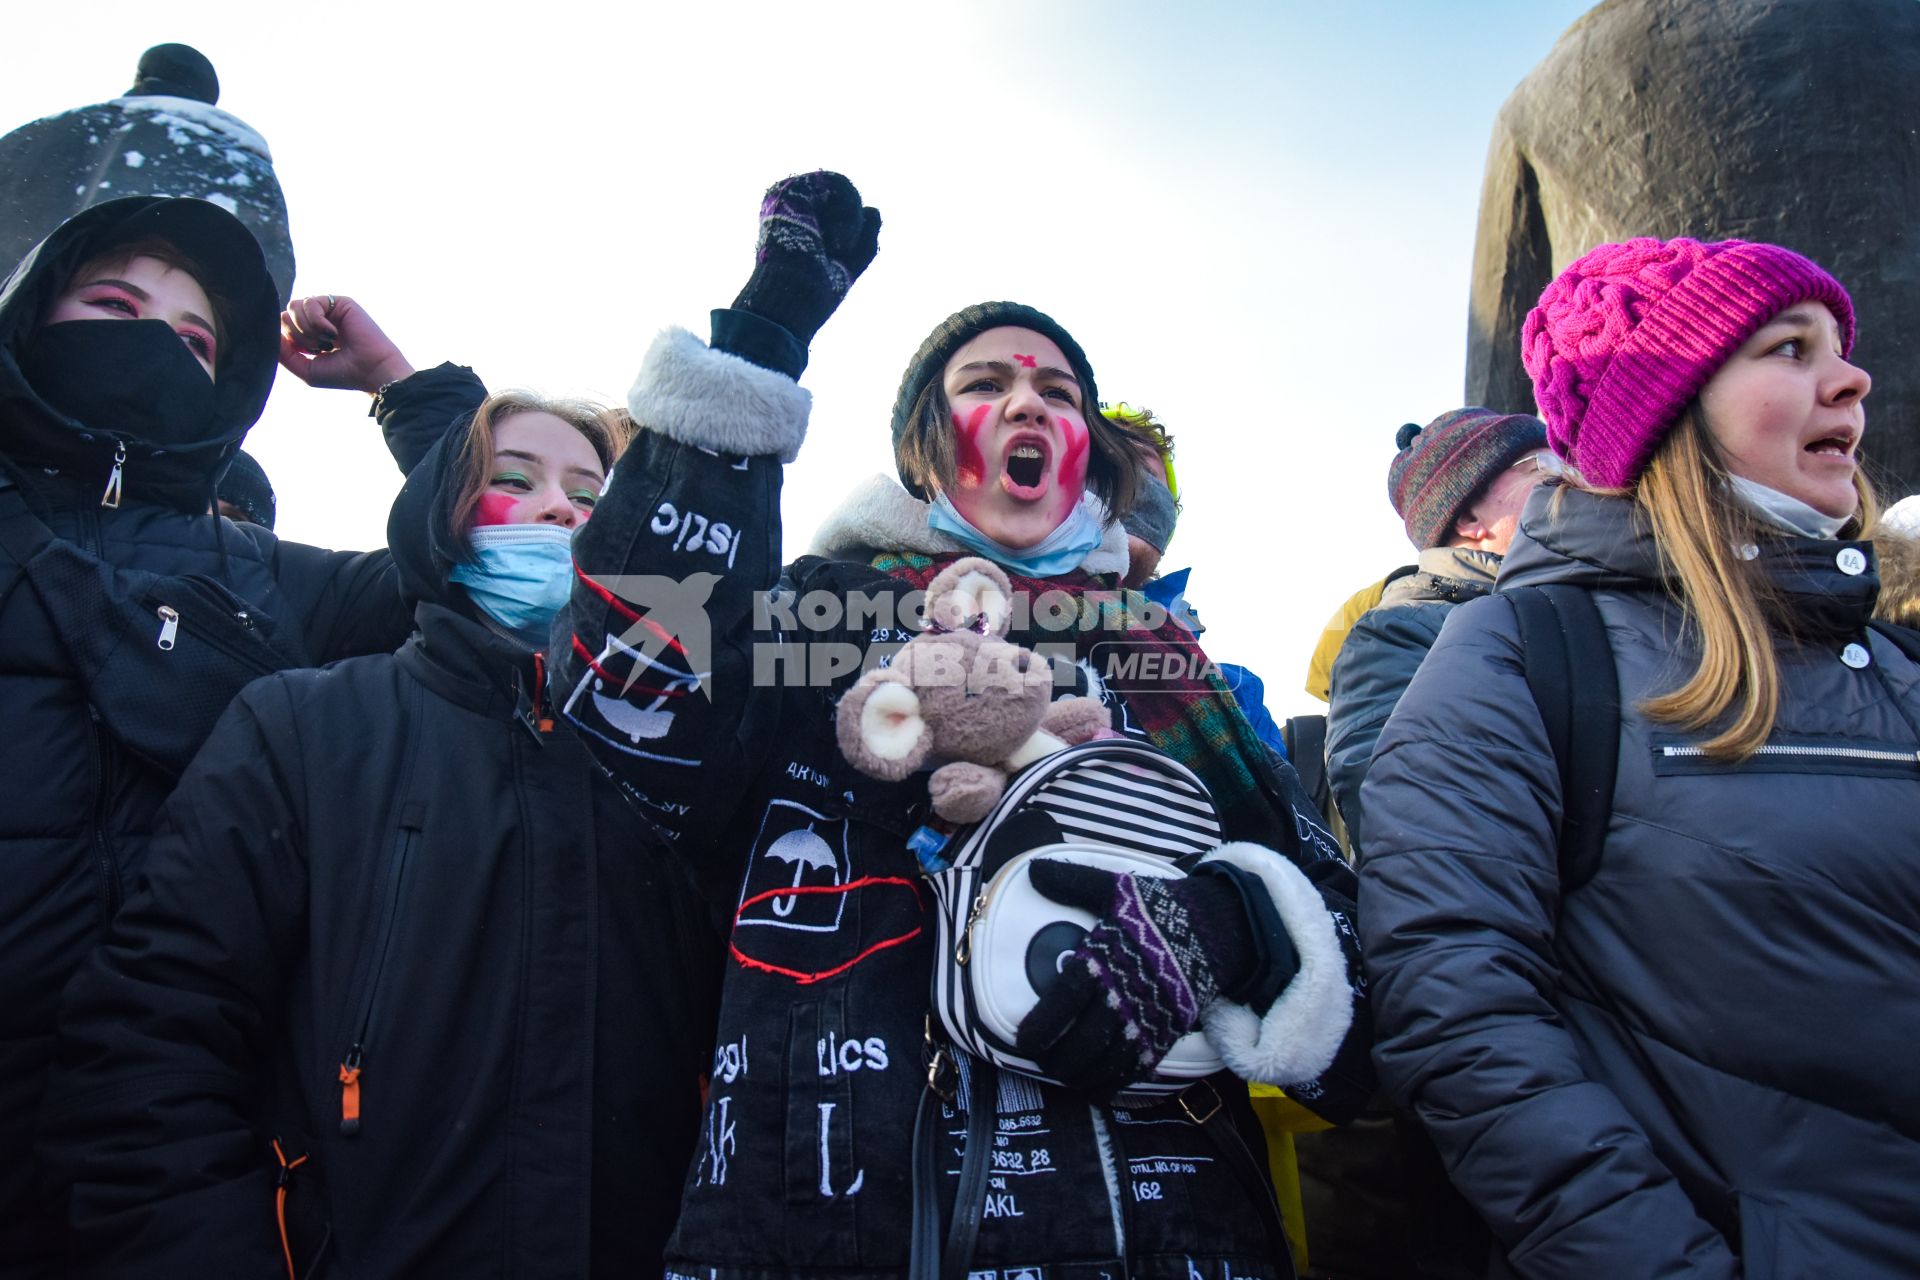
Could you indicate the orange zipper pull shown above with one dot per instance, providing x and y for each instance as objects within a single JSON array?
[
  {"x": 350, "y": 1093},
  {"x": 542, "y": 709}
]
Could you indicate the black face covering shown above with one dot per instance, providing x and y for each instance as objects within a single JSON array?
[{"x": 124, "y": 377}]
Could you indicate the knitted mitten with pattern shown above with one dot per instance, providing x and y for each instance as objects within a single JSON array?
[
  {"x": 815, "y": 240},
  {"x": 1161, "y": 952}
]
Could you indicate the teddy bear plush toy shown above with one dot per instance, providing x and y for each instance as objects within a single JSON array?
[{"x": 962, "y": 694}]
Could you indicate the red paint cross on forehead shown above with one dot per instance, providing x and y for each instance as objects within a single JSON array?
[{"x": 1026, "y": 362}]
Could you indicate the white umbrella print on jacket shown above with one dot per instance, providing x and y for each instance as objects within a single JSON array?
[{"x": 806, "y": 851}]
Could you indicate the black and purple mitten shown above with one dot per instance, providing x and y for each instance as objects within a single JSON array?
[
  {"x": 815, "y": 240},
  {"x": 1162, "y": 951}
]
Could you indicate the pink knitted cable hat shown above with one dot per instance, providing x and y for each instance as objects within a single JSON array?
[{"x": 1624, "y": 338}]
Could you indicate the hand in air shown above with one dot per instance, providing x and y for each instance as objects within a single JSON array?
[
  {"x": 815, "y": 240},
  {"x": 330, "y": 341}
]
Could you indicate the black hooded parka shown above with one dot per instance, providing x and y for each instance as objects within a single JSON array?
[
  {"x": 77, "y": 807},
  {"x": 399, "y": 923}
]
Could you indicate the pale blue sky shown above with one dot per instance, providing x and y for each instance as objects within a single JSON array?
[{"x": 1257, "y": 218}]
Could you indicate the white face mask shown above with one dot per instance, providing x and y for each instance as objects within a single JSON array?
[{"x": 1780, "y": 511}]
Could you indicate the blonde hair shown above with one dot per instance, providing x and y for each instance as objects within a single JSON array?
[
  {"x": 1730, "y": 608},
  {"x": 1149, "y": 433},
  {"x": 1898, "y": 559}
]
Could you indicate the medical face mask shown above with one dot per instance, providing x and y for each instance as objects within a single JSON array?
[
  {"x": 520, "y": 576},
  {"x": 1059, "y": 551}
]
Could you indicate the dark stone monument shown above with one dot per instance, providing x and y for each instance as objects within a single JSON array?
[
  {"x": 165, "y": 137},
  {"x": 1792, "y": 121}
]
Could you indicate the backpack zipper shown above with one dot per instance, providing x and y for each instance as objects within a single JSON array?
[
  {"x": 351, "y": 1062},
  {"x": 251, "y": 649}
]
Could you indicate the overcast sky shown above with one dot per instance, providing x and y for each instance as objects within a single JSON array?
[{"x": 1257, "y": 218}]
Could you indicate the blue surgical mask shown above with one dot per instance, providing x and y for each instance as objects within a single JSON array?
[
  {"x": 520, "y": 576},
  {"x": 1059, "y": 551}
]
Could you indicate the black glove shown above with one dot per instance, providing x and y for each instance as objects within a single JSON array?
[
  {"x": 1163, "y": 951},
  {"x": 815, "y": 240}
]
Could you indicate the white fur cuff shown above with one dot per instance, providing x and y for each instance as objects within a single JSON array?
[
  {"x": 1299, "y": 1036},
  {"x": 710, "y": 399}
]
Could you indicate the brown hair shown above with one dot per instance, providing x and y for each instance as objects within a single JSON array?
[
  {"x": 924, "y": 451},
  {"x": 607, "y": 430},
  {"x": 1729, "y": 607},
  {"x": 116, "y": 257}
]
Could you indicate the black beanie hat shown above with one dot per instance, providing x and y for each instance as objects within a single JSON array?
[{"x": 960, "y": 328}]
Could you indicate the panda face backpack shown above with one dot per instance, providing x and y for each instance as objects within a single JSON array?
[
  {"x": 1024, "y": 777},
  {"x": 1114, "y": 804}
]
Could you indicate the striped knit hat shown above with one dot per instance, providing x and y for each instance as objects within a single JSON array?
[
  {"x": 1442, "y": 466},
  {"x": 1625, "y": 338}
]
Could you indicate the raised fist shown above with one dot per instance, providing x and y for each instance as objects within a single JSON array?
[
  {"x": 329, "y": 340},
  {"x": 815, "y": 240}
]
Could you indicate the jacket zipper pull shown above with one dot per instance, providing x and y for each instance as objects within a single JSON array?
[
  {"x": 542, "y": 709},
  {"x": 111, "y": 498},
  {"x": 169, "y": 625},
  {"x": 350, "y": 1093}
]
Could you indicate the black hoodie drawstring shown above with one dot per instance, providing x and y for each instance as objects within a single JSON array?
[{"x": 219, "y": 532}]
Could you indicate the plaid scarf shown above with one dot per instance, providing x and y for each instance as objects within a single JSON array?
[{"x": 1185, "y": 707}]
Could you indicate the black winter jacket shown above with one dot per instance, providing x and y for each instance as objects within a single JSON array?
[
  {"x": 390, "y": 867},
  {"x": 1382, "y": 651},
  {"x": 677, "y": 672},
  {"x": 78, "y": 807},
  {"x": 1697, "y": 1063}
]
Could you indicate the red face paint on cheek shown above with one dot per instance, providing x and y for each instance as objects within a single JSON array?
[
  {"x": 970, "y": 467},
  {"x": 1073, "y": 461},
  {"x": 494, "y": 508},
  {"x": 1072, "y": 476}
]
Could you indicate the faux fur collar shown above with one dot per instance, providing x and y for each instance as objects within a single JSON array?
[{"x": 881, "y": 516}]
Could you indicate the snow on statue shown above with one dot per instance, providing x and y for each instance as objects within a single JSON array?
[{"x": 165, "y": 137}]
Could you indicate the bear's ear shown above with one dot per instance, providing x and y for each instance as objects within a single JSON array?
[
  {"x": 971, "y": 594},
  {"x": 881, "y": 730}
]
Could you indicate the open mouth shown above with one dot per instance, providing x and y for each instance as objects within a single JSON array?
[
  {"x": 1025, "y": 467},
  {"x": 1837, "y": 445}
]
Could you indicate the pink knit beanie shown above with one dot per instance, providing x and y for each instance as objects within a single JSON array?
[{"x": 1624, "y": 338}]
